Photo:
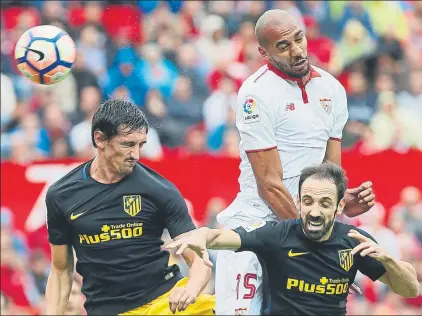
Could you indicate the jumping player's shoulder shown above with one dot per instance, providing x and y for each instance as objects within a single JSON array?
[
  {"x": 257, "y": 84},
  {"x": 329, "y": 79}
]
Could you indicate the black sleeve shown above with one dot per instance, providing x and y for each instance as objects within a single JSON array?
[
  {"x": 260, "y": 237},
  {"x": 369, "y": 266},
  {"x": 176, "y": 216},
  {"x": 59, "y": 230}
]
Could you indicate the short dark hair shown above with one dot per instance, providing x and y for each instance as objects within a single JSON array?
[
  {"x": 326, "y": 171},
  {"x": 115, "y": 115}
]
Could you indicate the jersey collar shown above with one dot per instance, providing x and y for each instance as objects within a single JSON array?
[{"x": 313, "y": 74}]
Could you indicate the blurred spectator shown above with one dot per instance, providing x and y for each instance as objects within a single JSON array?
[
  {"x": 213, "y": 43},
  {"x": 189, "y": 65},
  {"x": 57, "y": 125},
  {"x": 54, "y": 12},
  {"x": 318, "y": 10},
  {"x": 216, "y": 111},
  {"x": 414, "y": 43},
  {"x": 83, "y": 78},
  {"x": 194, "y": 142},
  {"x": 367, "y": 143},
  {"x": 65, "y": 94},
  {"x": 392, "y": 17},
  {"x": 355, "y": 10},
  {"x": 231, "y": 141},
  {"x": 125, "y": 72},
  {"x": 360, "y": 99},
  {"x": 320, "y": 47},
  {"x": 183, "y": 105},
  {"x": 17, "y": 238},
  {"x": 171, "y": 133},
  {"x": 394, "y": 126},
  {"x": 373, "y": 223},
  {"x": 8, "y": 100},
  {"x": 91, "y": 49},
  {"x": 384, "y": 83},
  {"x": 192, "y": 12},
  {"x": 406, "y": 216},
  {"x": 80, "y": 135},
  {"x": 412, "y": 99},
  {"x": 16, "y": 282},
  {"x": 291, "y": 7},
  {"x": 157, "y": 72},
  {"x": 354, "y": 44},
  {"x": 152, "y": 150},
  {"x": 40, "y": 268},
  {"x": 29, "y": 140},
  {"x": 161, "y": 21}
]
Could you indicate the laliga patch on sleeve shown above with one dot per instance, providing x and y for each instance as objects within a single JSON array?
[
  {"x": 250, "y": 110},
  {"x": 254, "y": 226}
]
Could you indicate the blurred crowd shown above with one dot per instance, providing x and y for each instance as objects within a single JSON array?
[{"x": 182, "y": 62}]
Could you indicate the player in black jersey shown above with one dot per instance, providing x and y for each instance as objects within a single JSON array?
[
  {"x": 310, "y": 262},
  {"x": 112, "y": 210}
]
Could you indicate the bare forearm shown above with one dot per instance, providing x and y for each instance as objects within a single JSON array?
[
  {"x": 402, "y": 277},
  {"x": 280, "y": 201},
  {"x": 221, "y": 239},
  {"x": 199, "y": 276},
  {"x": 59, "y": 285}
]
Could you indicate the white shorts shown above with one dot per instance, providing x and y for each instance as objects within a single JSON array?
[
  {"x": 239, "y": 277},
  {"x": 238, "y": 284}
]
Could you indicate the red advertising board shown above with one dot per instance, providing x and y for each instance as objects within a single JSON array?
[{"x": 200, "y": 179}]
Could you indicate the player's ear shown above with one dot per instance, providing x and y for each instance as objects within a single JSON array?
[
  {"x": 99, "y": 139},
  {"x": 263, "y": 52},
  {"x": 341, "y": 205}
]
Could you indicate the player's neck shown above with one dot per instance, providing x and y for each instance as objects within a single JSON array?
[
  {"x": 303, "y": 79},
  {"x": 104, "y": 173}
]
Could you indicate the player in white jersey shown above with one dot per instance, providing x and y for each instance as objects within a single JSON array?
[{"x": 290, "y": 115}]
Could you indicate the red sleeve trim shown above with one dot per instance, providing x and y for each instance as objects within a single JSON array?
[
  {"x": 258, "y": 150},
  {"x": 337, "y": 139}
]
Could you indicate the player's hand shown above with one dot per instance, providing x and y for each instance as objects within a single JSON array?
[
  {"x": 196, "y": 241},
  {"x": 368, "y": 247},
  {"x": 180, "y": 298},
  {"x": 359, "y": 200}
]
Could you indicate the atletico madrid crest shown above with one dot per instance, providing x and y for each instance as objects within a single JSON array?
[
  {"x": 346, "y": 259},
  {"x": 132, "y": 204}
]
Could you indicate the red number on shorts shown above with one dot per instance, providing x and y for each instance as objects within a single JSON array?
[{"x": 247, "y": 285}]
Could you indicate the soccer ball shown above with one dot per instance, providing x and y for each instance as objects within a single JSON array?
[{"x": 45, "y": 54}]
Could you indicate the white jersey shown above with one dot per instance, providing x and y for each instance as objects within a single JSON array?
[{"x": 276, "y": 111}]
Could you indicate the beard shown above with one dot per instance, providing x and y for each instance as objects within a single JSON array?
[
  {"x": 288, "y": 69},
  {"x": 315, "y": 228}
]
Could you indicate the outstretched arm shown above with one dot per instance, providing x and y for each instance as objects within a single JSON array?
[
  {"x": 400, "y": 276},
  {"x": 205, "y": 238},
  {"x": 199, "y": 275}
]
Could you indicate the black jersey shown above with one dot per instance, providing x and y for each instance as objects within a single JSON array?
[
  {"x": 305, "y": 277},
  {"x": 116, "y": 232}
]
